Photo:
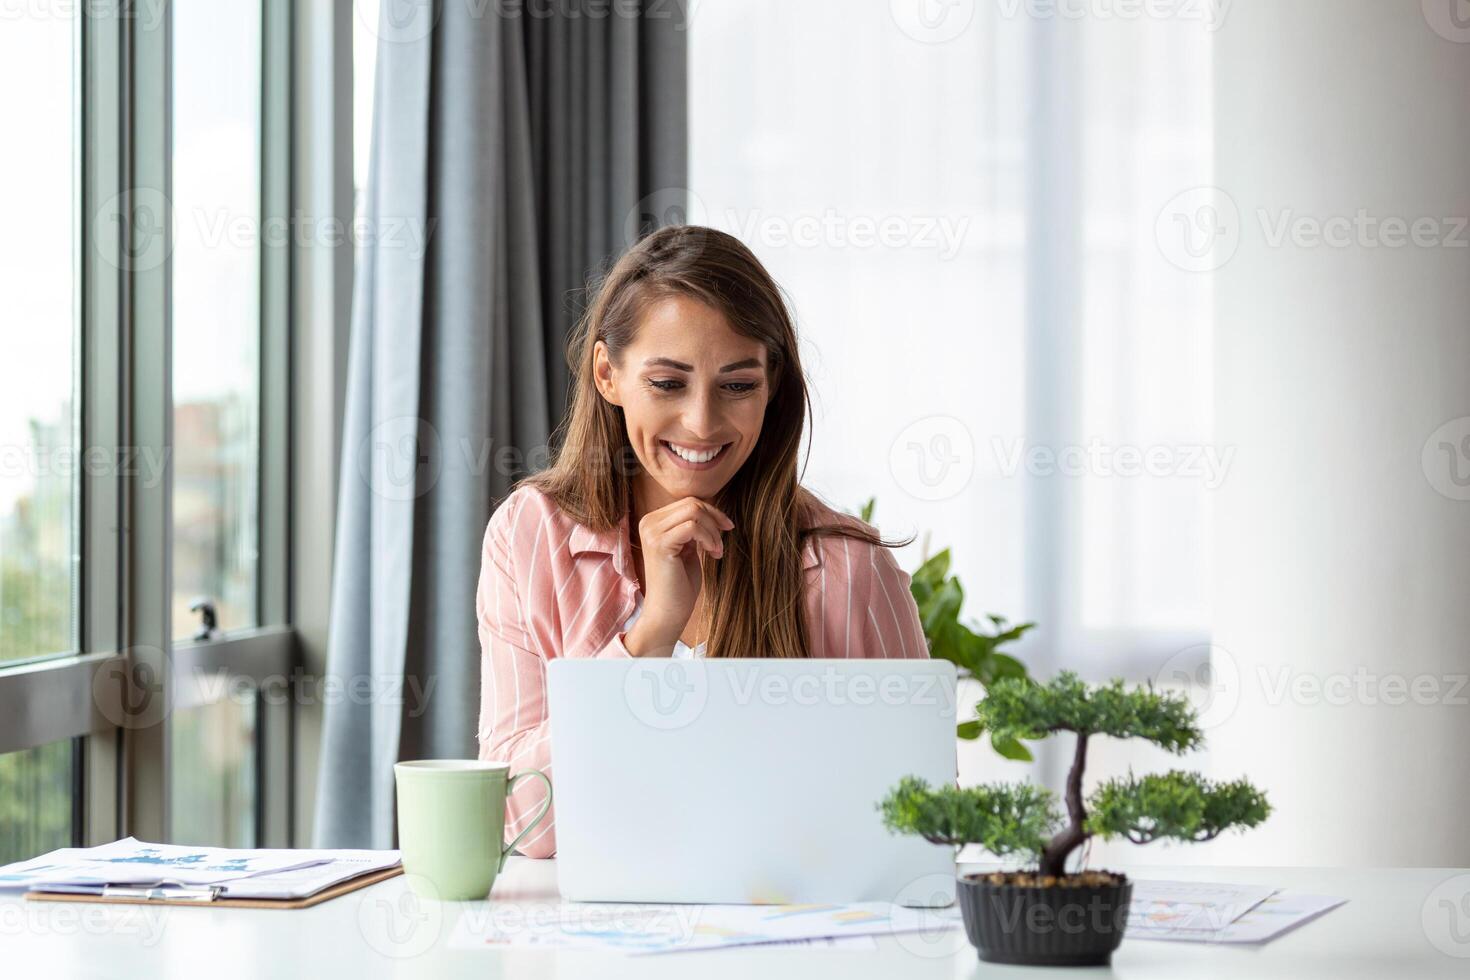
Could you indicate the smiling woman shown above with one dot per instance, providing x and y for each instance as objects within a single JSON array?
[{"x": 674, "y": 499}]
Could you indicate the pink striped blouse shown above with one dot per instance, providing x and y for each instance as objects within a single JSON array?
[{"x": 550, "y": 587}]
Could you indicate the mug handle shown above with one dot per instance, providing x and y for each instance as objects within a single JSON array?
[{"x": 546, "y": 805}]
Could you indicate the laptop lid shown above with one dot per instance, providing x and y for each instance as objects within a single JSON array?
[{"x": 738, "y": 781}]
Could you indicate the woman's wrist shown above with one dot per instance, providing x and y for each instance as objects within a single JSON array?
[{"x": 646, "y": 639}]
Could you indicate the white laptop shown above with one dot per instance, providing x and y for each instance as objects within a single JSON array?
[{"x": 746, "y": 781}]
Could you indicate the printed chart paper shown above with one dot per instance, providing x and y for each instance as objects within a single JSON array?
[
  {"x": 133, "y": 862},
  {"x": 645, "y": 929},
  {"x": 1273, "y": 917}
]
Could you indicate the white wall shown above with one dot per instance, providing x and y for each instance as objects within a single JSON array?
[{"x": 1334, "y": 365}]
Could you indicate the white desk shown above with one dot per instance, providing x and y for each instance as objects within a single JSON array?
[{"x": 1381, "y": 932}]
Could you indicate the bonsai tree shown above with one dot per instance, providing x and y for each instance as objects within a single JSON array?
[
  {"x": 1022, "y": 819},
  {"x": 973, "y": 650}
]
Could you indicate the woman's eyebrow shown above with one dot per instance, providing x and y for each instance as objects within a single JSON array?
[{"x": 749, "y": 362}]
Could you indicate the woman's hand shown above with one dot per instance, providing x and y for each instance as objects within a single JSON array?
[{"x": 672, "y": 538}]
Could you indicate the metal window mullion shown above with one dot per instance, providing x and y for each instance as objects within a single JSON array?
[
  {"x": 321, "y": 291},
  {"x": 148, "y": 425},
  {"x": 275, "y": 720},
  {"x": 99, "y": 299}
]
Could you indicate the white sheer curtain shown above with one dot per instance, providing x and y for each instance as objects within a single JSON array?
[{"x": 1005, "y": 346}]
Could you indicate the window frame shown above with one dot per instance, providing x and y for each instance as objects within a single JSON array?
[{"x": 123, "y": 389}]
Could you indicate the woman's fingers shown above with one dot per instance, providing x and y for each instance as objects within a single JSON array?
[
  {"x": 697, "y": 531},
  {"x": 686, "y": 509},
  {"x": 691, "y": 509}
]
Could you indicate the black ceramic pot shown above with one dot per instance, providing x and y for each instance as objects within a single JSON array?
[{"x": 1060, "y": 926}]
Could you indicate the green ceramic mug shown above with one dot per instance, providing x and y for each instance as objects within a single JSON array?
[{"x": 451, "y": 824}]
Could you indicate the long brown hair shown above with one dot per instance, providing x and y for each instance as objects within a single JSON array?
[{"x": 753, "y": 594}]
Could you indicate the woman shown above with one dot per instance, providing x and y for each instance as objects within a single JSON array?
[{"x": 671, "y": 522}]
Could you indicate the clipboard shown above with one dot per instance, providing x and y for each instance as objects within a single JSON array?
[{"x": 208, "y": 902}]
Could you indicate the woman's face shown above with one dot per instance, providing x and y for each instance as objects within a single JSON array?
[{"x": 693, "y": 392}]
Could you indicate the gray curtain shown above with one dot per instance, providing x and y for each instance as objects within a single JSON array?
[{"x": 514, "y": 151}]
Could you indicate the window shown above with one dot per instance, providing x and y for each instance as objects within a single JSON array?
[
  {"x": 216, "y": 320},
  {"x": 216, "y": 311},
  {"x": 965, "y": 222},
  {"x": 37, "y": 794},
  {"x": 38, "y": 438},
  {"x": 214, "y": 772},
  {"x": 150, "y": 244},
  {"x": 39, "y": 460}
]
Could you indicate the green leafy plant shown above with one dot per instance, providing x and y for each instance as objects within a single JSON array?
[
  {"x": 1018, "y": 818},
  {"x": 974, "y": 652}
]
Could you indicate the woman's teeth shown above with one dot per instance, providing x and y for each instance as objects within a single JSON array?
[{"x": 694, "y": 456}]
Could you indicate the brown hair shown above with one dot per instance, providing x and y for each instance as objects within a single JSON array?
[{"x": 753, "y": 594}]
